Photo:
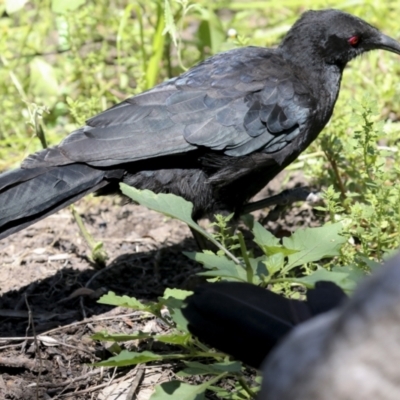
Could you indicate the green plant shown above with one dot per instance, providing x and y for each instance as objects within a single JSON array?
[{"x": 302, "y": 259}]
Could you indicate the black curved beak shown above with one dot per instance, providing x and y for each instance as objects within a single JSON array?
[{"x": 385, "y": 43}]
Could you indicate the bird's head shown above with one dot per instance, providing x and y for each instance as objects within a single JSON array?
[{"x": 333, "y": 37}]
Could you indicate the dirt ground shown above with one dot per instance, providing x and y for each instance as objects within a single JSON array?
[{"x": 49, "y": 288}]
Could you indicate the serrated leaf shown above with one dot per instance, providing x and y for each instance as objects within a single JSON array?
[
  {"x": 126, "y": 358},
  {"x": 170, "y": 205},
  {"x": 313, "y": 244},
  {"x": 167, "y": 204}
]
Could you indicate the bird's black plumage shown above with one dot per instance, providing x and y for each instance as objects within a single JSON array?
[
  {"x": 215, "y": 135},
  {"x": 247, "y": 321}
]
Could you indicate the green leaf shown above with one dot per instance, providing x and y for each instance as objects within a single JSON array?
[
  {"x": 174, "y": 338},
  {"x": 179, "y": 319},
  {"x": 268, "y": 243},
  {"x": 176, "y": 293},
  {"x": 263, "y": 237},
  {"x": 219, "y": 266},
  {"x": 197, "y": 368},
  {"x": 313, "y": 244},
  {"x": 274, "y": 263},
  {"x": 125, "y": 301},
  {"x": 167, "y": 204},
  {"x": 178, "y": 390},
  {"x": 173, "y": 299},
  {"x": 63, "y": 6},
  {"x": 126, "y": 358},
  {"x": 119, "y": 337},
  {"x": 171, "y": 206}
]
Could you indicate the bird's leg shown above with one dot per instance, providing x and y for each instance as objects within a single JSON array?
[
  {"x": 284, "y": 198},
  {"x": 202, "y": 242}
]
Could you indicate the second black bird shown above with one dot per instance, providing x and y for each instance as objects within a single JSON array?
[{"x": 215, "y": 135}]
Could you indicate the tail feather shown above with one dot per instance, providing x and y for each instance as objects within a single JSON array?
[{"x": 29, "y": 195}]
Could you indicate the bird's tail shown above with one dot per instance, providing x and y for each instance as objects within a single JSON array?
[{"x": 28, "y": 195}]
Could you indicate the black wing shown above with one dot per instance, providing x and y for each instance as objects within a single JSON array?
[{"x": 237, "y": 102}]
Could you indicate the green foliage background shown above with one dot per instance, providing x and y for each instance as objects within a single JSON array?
[{"x": 78, "y": 57}]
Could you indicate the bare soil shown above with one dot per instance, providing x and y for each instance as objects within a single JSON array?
[{"x": 49, "y": 290}]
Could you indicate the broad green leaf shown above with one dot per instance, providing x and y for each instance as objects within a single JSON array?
[
  {"x": 313, "y": 244},
  {"x": 126, "y": 358},
  {"x": 167, "y": 204},
  {"x": 269, "y": 244},
  {"x": 63, "y": 6},
  {"x": 197, "y": 368},
  {"x": 274, "y": 263},
  {"x": 172, "y": 206},
  {"x": 176, "y": 390},
  {"x": 119, "y": 337},
  {"x": 263, "y": 237}
]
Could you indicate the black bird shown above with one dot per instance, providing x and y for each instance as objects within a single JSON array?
[
  {"x": 215, "y": 135},
  {"x": 247, "y": 321}
]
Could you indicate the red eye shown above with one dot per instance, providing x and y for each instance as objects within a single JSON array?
[{"x": 354, "y": 40}]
